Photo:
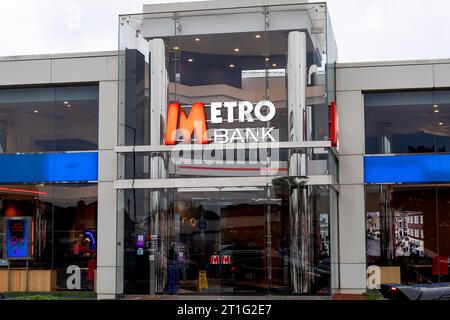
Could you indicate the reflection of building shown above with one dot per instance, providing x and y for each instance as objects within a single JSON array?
[
  {"x": 414, "y": 225},
  {"x": 373, "y": 225},
  {"x": 401, "y": 224}
]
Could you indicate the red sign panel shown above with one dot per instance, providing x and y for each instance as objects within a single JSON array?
[{"x": 334, "y": 125}]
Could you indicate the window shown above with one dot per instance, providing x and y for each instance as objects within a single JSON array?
[
  {"x": 200, "y": 226},
  {"x": 64, "y": 228},
  {"x": 407, "y": 122},
  {"x": 49, "y": 119},
  {"x": 423, "y": 253}
]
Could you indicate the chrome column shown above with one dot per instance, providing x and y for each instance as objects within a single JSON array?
[
  {"x": 158, "y": 168},
  {"x": 300, "y": 216}
]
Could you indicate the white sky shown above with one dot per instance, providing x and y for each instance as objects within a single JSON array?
[{"x": 365, "y": 30}]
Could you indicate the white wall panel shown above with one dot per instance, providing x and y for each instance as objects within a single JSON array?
[
  {"x": 84, "y": 69},
  {"x": 442, "y": 75},
  {"x": 382, "y": 78},
  {"x": 25, "y": 72},
  {"x": 351, "y": 169},
  {"x": 351, "y": 122}
]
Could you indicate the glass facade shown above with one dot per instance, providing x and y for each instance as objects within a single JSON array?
[
  {"x": 234, "y": 211},
  {"x": 407, "y": 122},
  {"x": 220, "y": 65},
  {"x": 48, "y": 192},
  {"x": 46, "y": 119},
  {"x": 408, "y": 227},
  {"x": 241, "y": 238},
  {"x": 64, "y": 229},
  {"x": 407, "y": 222}
]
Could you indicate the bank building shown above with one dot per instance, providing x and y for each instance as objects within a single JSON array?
[{"x": 222, "y": 150}]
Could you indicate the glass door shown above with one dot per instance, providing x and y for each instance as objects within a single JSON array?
[{"x": 222, "y": 246}]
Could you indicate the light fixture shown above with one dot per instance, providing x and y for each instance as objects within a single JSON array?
[
  {"x": 274, "y": 64},
  {"x": 190, "y": 60},
  {"x": 22, "y": 191},
  {"x": 66, "y": 102},
  {"x": 231, "y": 65},
  {"x": 68, "y": 106},
  {"x": 236, "y": 49},
  {"x": 436, "y": 111},
  {"x": 267, "y": 59},
  {"x": 197, "y": 39},
  {"x": 176, "y": 48},
  {"x": 435, "y": 106},
  {"x": 258, "y": 36},
  {"x": 36, "y": 111},
  {"x": 441, "y": 124}
]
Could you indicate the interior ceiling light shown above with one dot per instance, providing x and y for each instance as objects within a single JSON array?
[
  {"x": 267, "y": 59},
  {"x": 441, "y": 124},
  {"x": 176, "y": 48},
  {"x": 36, "y": 111},
  {"x": 191, "y": 60},
  {"x": 236, "y": 50},
  {"x": 435, "y": 106},
  {"x": 197, "y": 39},
  {"x": 436, "y": 111},
  {"x": 258, "y": 36},
  {"x": 66, "y": 102},
  {"x": 274, "y": 64},
  {"x": 231, "y": 65}
]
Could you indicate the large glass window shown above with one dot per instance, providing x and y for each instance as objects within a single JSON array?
[
  {"x": 226, "y": 241},
  {"x": 271, "y": 239},
  {"x": 49, "y": 119},
  {"x": 408, "y": 228},
  {"x": 407, "y": 122},
  {"x": 62, "y": 237},
  {"x": 224, "y": 63}
]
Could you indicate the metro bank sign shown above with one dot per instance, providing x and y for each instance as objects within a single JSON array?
[{"x": 186, "y": 126}]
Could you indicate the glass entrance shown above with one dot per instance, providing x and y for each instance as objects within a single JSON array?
[
  {"x": 223, "y": 241},
  {"x": 227, "y": 241}
]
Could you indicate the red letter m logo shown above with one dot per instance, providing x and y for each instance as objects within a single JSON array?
[
  {"x": 225, "y": 260},
  {"x": 214, "y": 259},
  {"x": 177, "y": 119}
]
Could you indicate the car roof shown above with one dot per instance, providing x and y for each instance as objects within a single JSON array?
[{"x": 431, "y": 291}]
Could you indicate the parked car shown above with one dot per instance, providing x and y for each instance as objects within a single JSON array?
[{"x": 435, "y": 291}]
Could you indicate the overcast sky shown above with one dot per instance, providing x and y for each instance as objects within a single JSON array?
[{"x": 365, "y": 30}]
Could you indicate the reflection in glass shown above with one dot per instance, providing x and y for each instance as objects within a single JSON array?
[
  {"x": 64, "y": 230},
  {"x": 243, "y": 240},
  {"x": 49, "y": 119},
  {"x": 407, "y": 227},
  {"x": 407, "y": 122}
]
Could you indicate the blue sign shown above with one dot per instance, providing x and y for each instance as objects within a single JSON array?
[
  {"x": 429, "y": 168},
  {"x": 49, "y": 167},
  {"x": 18, "y": 238}
]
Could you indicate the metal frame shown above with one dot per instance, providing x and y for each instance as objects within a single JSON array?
[
  {"x": 273, "y": 145},
  {"x": 215, "y": 182}
]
